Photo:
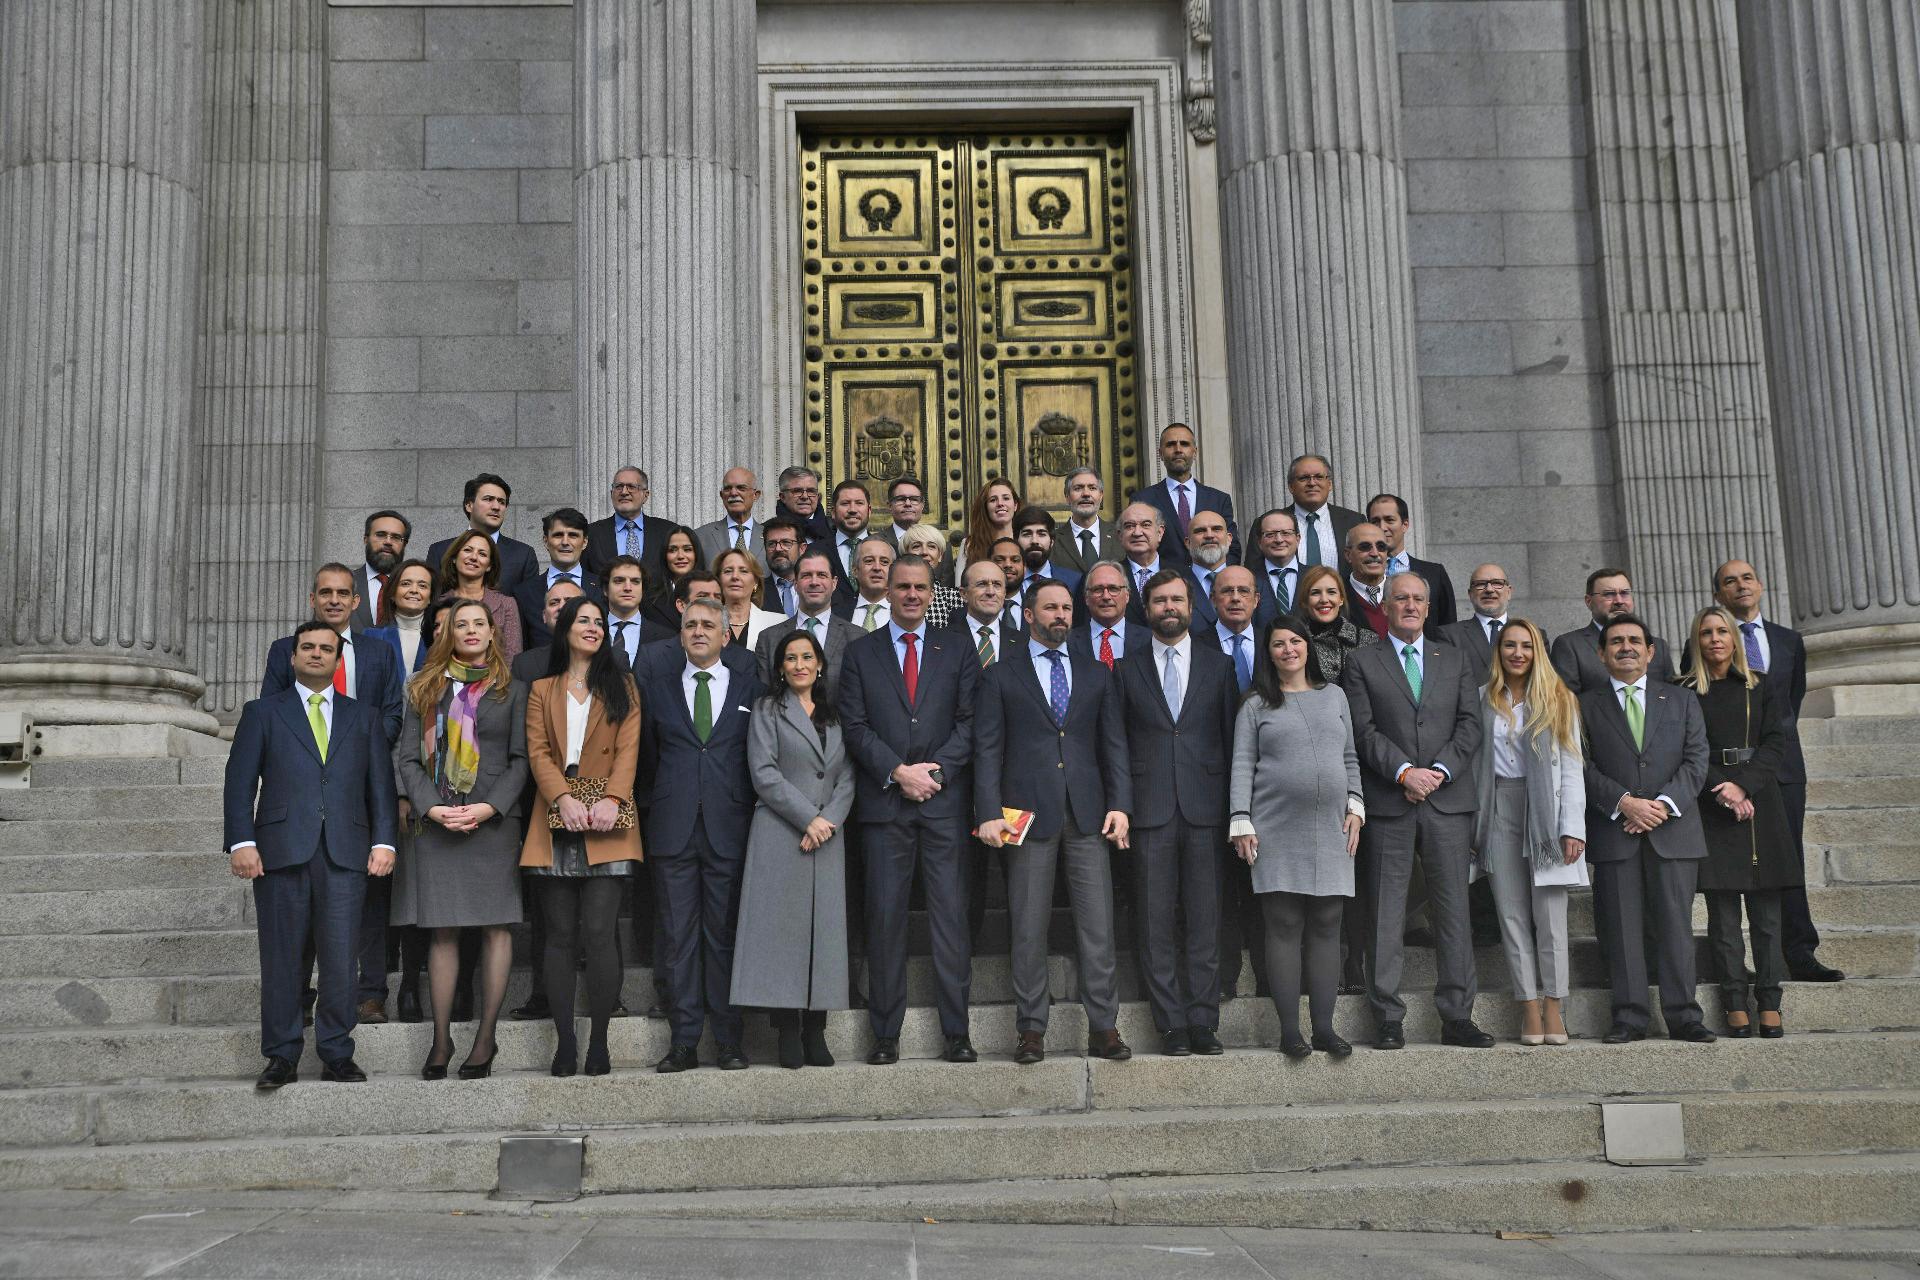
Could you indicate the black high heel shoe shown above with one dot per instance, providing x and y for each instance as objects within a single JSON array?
[
  {"x": 813, "y": 1038},
  {"x": 566, "y": 1062},
  {"x": 471, "y": 1070},
  {"x": 598, "y": 1062},
  {"x": 436, "y": 1070},
  {"x": 1294, "y": 1047},
  {"x": 1332, "y": 1045},
  {"x": 1772, "y": 1030},
  {"x": 1741, "y": 1030}
]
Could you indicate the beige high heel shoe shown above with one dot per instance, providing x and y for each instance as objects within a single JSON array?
[
  {"x": 1556, "y": 1027},
  {"x": 1530, "y": 1030}
]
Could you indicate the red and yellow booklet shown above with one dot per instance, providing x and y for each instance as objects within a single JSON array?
[{"x": 1017, "y": 820}]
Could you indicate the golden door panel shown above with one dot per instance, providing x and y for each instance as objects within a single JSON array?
[{"x": 969, "y": 312}]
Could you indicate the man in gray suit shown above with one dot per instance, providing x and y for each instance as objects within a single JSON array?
[
  {"x": 739, "y": 491},
  {"x": 813, "y": 583},
  {"x": 1417, "y": 729},
  {"x": 1085, "y": 539},
  {"x": 1576, "y": 654},
  {"x": 1646, "y": 762},
  {"x": 1490, "y": 591}
]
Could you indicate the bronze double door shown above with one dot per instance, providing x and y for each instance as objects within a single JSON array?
[{"x": 970, "y": 312}]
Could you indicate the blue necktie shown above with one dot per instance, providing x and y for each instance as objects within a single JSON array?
[
  {"x": 1242, "y": 661},
  {"x": 1058, "y": 687},
  {"x": 1756, "y": 663}
]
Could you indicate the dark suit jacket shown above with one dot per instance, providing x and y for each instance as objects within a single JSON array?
[
  {"x": 1366, "y": 616},
  {"x": 1441, "y": 608},
  {"x": 1066, "y": 545},
  {"x": 1786, "y": 680},
  {"x": 363, "y": 613},
  {"x": 1469, "y": 636},
  {"x": 1179, "y": 769},
  {"x": 531, "y": 596},
  {"x": 1390, "y": 729},
  {"x": 377, "y": 677},
  {"x": 518, "y": 561},
  {"x": 813, "y": 527},
  {"x": 603, "y": 545},
  {"x": 1083, "y": 640},
  {"x": 1576, "y": 656},
  {"x": 1073, "y": 772},
  {"x": 708, "y": 780},
  {"x": 840, "y": 633},
  {"x": 1206, "y": 498},
  {"x": 1204, "y": 614},
  {"x": 966, "y": 631},
  {"x": 1066, "y": 577},
  {"x": 345, "y": 804},
  {"x": 844, "y": 592},
  {"x": 665, "y": 657},
  {"x": 1342, "y": 519},
  {"x": 391, "y": 634},
  {"x": 883, "y": 731},
  {"x": 1672, "y": 763},
  {"x": 1268, "y": 600}
]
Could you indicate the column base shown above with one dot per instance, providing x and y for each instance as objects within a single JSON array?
[
  {"x": 1884, "y": 654},
  {"x": 85, "y": 706}
]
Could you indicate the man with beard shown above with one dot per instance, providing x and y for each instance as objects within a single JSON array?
[
  {"x": 1033, "y": 530},
  {"x": 783, "y": 556},
  {"x": 851, "y": 507},
  {"x": 1207, "y": 545},
  {"x": 385, "y": 534},
  {"x": 1180, "y": 497}
]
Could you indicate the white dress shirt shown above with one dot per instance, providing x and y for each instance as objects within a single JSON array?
[
  {"x": 1488, "y": 624},
  {"x": 1371, "y": 594},
  {"x": 352, "y": 664},
  {"x": 628, "y": 638},
  {"x": 1097, "y": 630},
  {"x": 991, "y": 630},
  {"x": 1182, "y": 651},
  {"x": 716, "y": 687},
  {"x": 919, "y": 635},
  {"x": 1329, "y": 536},
  {"x": 1760, "y": 638},
  {"x": 371, "y": 590},
  {"x": 882, "y": 609},
  {"x": 577, "y": 713},
  {"x": 1175, "y": 488},
  {"x": 1507, "y": 762}
]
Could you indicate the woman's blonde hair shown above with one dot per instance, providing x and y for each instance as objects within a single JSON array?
[
  {"x": 424, "y": 690},
  {"x": 1551, "y": 707},
  {"x": 1311, "y": 578},
  {"x": 1696, "y": 677},
  {"x": 753, "y": 571},
  {"x": 925, "y": 531}
]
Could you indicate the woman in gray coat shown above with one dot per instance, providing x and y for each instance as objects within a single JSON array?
[
  {"x": 1296, "y": 821},
  {"x": 790, "y": 953}
]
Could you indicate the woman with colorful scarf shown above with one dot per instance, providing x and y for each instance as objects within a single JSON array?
[{"x": 462, "y": 763}]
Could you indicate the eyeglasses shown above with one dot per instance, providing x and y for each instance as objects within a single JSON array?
[
  {"x": 1487, "y": 584},
  {"x": 797, "y": 491},
  {"x": 1106, "y": 590},
  {"x": 1319, "y": 476},
  {"x": 1615, "y": 595},
  {"x": 629, "y": 488},
  {"x": 1371, "y": 546}
]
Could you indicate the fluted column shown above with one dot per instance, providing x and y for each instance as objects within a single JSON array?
[
  {"x": 100, "y": 214},
  {"x": 1313, "y": 219},
  {"x": 1833, "y": 122},
  {"x": 258, "y": 384},
  {"x": 1693, "y": 444},
  {"x": 665, "y": 214}
]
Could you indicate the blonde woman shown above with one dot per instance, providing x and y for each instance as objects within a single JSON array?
[
  {"x": 1530, "y": 830},
  {"x": 927, "y": 542},
  {"x": 1751, "y": 852},
  {"x": 742, "y": 587}
]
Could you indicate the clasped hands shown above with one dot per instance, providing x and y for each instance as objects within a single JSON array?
[
  {"x": 1417, "y": 784},
  {"x": 574, "y": 816},
  {"x": 818, "y": 832},
  {"x": 916, "y": 781},
  {"x": 1637, "y": 816},
  {"x": 1734, "y": 797}
]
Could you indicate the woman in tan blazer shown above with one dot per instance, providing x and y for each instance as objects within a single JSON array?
[{"x": 583, "y": 722}]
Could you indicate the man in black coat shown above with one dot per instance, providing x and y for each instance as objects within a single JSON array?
[
  {"x": 1576, "y": 654},
  {"x": 851, "y": 507},
  {"x": 906, "y": 707},
  {"x": 1178, "y": 701},
  {"x": 485, "y": 503},
  {"x": 698, "y": 812},
  {"x": 1490, "y": 592},
  {"x": 1108, "y": 633}
]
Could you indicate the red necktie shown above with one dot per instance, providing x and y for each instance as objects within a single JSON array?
[
  {"x": 340, "y": 672},
  {"x": 1106, "y": 646},
  {"x": 910, "y": 669}
]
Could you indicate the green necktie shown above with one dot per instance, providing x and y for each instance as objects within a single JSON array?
[
  {"x": 319, "y": 723},
  {"x": 1636, "y": 719},
  {"x": 702, "y": 705},
  {"x": 870, "y": 618},
  {"x": 986, "y": 644},
  {"x": 1409, "y": 660}
]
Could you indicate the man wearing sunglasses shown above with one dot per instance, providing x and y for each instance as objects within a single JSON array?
[{"x": 1367, "y": 552}]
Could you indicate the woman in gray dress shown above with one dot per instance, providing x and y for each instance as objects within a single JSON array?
[
  {"x": 1296, "y": 821},
  {"x": 462, "y": 761},
  {"x": 791, "y": 944}
]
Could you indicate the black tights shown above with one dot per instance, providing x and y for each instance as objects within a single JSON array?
[
  {"x": 581, "y": 915},
  {"x": 1292, "y": 918}
]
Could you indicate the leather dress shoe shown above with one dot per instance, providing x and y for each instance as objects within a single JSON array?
[
  {"x": 343, "y": 1071},
  {"x": 1296, "y": 1048},
  {"x": 885, "y": 1052},
  {"x": 1621, "y": 1033},
  {"x": 1175, "y": 1044},
  {"x": 535, "y": 1009},
  {"x": 277, "y": 1072},
  {"x": 1108, "y": 1045},
  {"x": 1391, "y": 1035},
  {"x": 1033, "y": 1048},
  {"x": 960, "y": 1049},
  {"x": 620, "y": 1010},
  {"x": 371, "y": 1013},
  {"x": 1813, "y": 971},
  {"x": 657, "y": 1012},
  {"x": 731, "y": 1057},
  {"x": 1693, "y": 1033},
  {"x": 682, "y": 1057},
  {"x": 1204, "y": 1041},
  {"x": 1463, "y": 1034},
  {"x": 1331, "y": 1045}
]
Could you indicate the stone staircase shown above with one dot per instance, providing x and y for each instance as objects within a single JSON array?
[{"x": 128, "y": 1043}]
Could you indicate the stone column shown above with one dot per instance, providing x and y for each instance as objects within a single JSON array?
[
  {"x": 667, "y": 286},
  {"x": 1833, "y": 119},
  {"x": 100, "y": 214},
  {"x": 1313, "y": 218},
  {"x": 258, "y": 392},
  {"x": 1693, "y": 447}
]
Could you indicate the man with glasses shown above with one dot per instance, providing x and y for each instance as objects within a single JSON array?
[
  {"x": 907, "y": 504},
  {"x": 1323, "y": 526},
  {"x": 1275, "y": 561},
  {"x": 629, "y": 531},
  {"x": 1367, "y": 551},
  {"x": 1108, "y": 633},
  {"x": 1491, "y": 592},
  {"x": 783, "y": 559},
  {"x": 1576, "y": 654},
  {"x": 799, "y": 501},
  {"x": 739, "y": 492}
]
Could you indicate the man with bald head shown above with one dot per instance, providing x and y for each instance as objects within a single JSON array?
[
  {"x": 1490, "y": 592},
  {"x": 739, "y": 492},
  {"x": 1140, "y": 530}
]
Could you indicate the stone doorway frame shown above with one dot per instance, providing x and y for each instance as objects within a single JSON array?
[{"x": 1145, "y": 94}]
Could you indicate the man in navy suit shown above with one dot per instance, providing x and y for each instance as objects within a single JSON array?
[
  {"x": 1389, "y": 512},
  {"x": 697, "y": 818},
  {"x": 1275, "y": 561},
  {"x": 1779, "y": 655},
  {"x": 906, "y": 704},
  {"x": 322, "y": 824},
  {"x": 629, "y": 531},
  {"x": 1180, "y": 497},
  {"x": 565, "y": 533},
  {"x": 485, "y": 502},
  {"x": 851, "y": 507}
]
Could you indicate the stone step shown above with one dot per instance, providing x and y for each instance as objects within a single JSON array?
[
  {"x": 118, "y": 911},
  {"x": 160, "y": 955},
  {"x": 129, "y": 771},
  {"x": 73, "y": 872},
  {"x": 1865, "y": 864},
  {"x": 1861, "y": 760},
  {"x": 1564, "y": 1197},
  {"x": 69, "y": 835},
  {"x": 176, "y": 801},
  {"x": 1847, "y": 827},
  {"x": 1833, "y": 906},
  {"x": 1895, "y": 791}
]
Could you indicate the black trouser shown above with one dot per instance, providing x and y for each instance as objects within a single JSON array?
[
  {"x": 1798, "y": 937},
  {"x": 581, "y": 915},
  {"x": 1241, "y": 926},
  {"x": 1728, "y": 948},
  {"x": 699, "y": 890},
  {"x": 894, "y": 852},
  {"x": 1303, "y": 937}
]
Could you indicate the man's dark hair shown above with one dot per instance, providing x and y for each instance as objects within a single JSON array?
[
  {"x": 1607, "y": 571},
  {"x": 897, "y": 481},
  {"x": 816, "y": 553},
  {"x": 1260, "y": 525},
  {"x": 781, "y": 522},
  {"x": 909, "y": 560},
  {"x": 1399, "y": 504},
  {"x": 683, "y": 589},
  {"x": 624, "y": 562},
  {"x": 1161, "y": 579},
  {"x": 406, "y": 525},
  {"x": 486, "y": 477},
  {"x": 850, "y": 483},
  {"x": 1011, "y": 542},
  {"x": 1320, "y": 458},
  {"x": 314, "y": 624},
  {"x": 1032, "y": 595},
  {"x": 566, "y": 517},
  {"x": 334, "y": 566},
  {"x": 1627, "y": 620},
  {"x": 1032, "y": 515}
]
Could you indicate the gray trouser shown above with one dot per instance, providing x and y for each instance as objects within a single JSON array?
[
  {"x": 1533, "y": 918},
  {"x": 1728, "y": 949},
  {"x": 1442, "y": 843},
  {"x": 1030, "y": 872},
  {"x": 1646, "y": 884}
]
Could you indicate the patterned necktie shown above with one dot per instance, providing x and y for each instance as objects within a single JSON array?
[
  {"x": 870, "y": 615},
  {"x": 813, "y": 627},
  {"x": 786, "y": 596},
  {"x": 1106, "y": 646},
  {"x": 628, "y": 537},
  {"x": 1636, "y": 718},
  {"x": 1242, "y": 661},
  {"x": 702, "y": 705},
  {"x": 1086, "y": 548},
  {"x": 1494, "y": 627},
  {"x": 1281, "y": 595},
  {"x": 319, "y": 722},
  {"x": 1755, "y": 663},
  {"x": 1410, "y": 660},
  {"x": 1313, "y": 537},
  {"x": 986, "y": 644},
  {"x": 910, "y": 667},
  {"x": 1057, "y": 687},
  {"x": 739, "y": 537},
  {"x": 1170, "y": 684},
  {"x": 1184, "y": 511},
  {"x": 620, "y": 636},
  {"x": 1140, "y": 576}
]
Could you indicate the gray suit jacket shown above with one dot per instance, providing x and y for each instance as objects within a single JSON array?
[
  {"x": 716, "y": 536},
  {"x": 1390, "y": 729},
  {"x": 1066, "y": 545},
  {"x": 839, "y": 633},
  {"x": 1672, "y": 763},
  {"x": 1576, "y": 656},
  {"x": 1469, "y": 636}
]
